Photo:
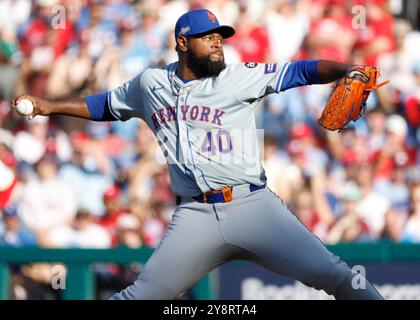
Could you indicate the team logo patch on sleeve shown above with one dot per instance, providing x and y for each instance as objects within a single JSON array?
[
  {"x": 270, "y": 67},
  {"x": 251, "y": 64}
]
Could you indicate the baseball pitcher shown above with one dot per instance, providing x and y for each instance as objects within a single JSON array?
[{"x": 202, "y": 113}]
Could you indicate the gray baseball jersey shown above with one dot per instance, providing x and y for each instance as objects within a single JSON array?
[{"x": 206, "y": 128}]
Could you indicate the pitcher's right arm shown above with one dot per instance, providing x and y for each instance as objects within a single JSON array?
[{"x": 92, "y": 107}]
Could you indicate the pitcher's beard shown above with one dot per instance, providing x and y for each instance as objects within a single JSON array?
[{"x": 204, "y": 67}]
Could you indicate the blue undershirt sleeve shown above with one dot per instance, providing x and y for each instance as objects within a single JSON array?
[
  {"x": 301, "y": 73},
  {"x": 99, "y": 107}
]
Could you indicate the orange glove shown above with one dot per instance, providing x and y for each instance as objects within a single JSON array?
[{"x": 348, "y": 100}]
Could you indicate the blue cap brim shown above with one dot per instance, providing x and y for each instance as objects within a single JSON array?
[{"x": 225, "y": 31}]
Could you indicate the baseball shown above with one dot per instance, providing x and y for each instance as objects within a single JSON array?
[{"x": 25, "y": 107}]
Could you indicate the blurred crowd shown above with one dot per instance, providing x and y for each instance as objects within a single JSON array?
[{"x": 67, "y": 182}]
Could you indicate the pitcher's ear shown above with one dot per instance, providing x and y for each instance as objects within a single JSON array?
[{"x": 182, "y": 44}]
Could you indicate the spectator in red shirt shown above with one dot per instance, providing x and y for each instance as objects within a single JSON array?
[
  {"x": 332, "y": 37},
  {"x": 8, "y": 178},
  {"x": 113, "y": 211},
  {"x": 41, "y": 28},
  {"x": 250, "y": 39},
  {"x": 305, "y": 210},
  {"x": 395, "y": 150},
  {"x": 377, "y": 37},
  {"x": 412, "y": 108}
]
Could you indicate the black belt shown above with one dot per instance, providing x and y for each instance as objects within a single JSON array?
[{"x": 219, "y": 196}]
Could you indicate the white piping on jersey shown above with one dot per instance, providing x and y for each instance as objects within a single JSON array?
[
  {"x": 282, "y": 74},
  {"x": 172, "y": 80},
  {"x": 109, "y": 101},
  {"x": 189, "y": 145}
]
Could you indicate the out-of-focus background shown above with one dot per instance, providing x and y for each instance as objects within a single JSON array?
[{"x": 70, "y": 183}]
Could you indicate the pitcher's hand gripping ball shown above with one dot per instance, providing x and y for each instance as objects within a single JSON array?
[
  {"x": 25, "y": 107},
  {"x": 348, "y": 100}
]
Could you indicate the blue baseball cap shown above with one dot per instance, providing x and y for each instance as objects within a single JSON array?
[{"x": 198, "y": 22}]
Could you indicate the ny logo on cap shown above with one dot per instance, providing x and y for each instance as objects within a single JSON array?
[{"x": 211, "y": 16}]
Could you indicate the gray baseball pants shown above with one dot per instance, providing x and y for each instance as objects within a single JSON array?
[{"x": 254, "y": 226}]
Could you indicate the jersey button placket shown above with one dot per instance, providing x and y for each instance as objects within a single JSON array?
[{"x": 183, "y": 139}]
